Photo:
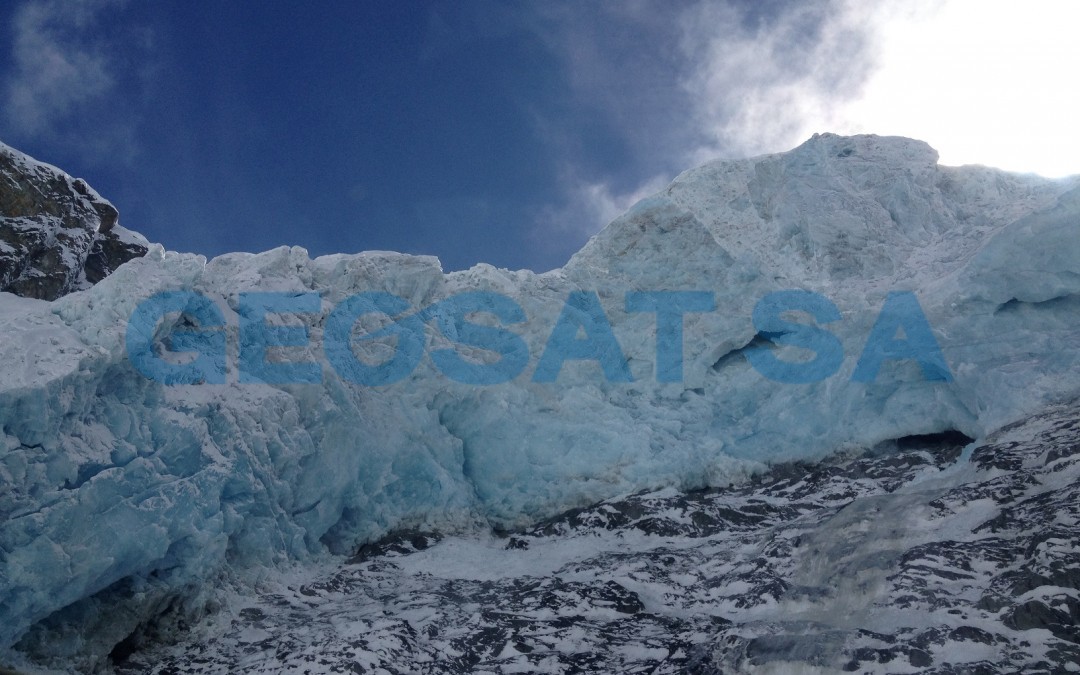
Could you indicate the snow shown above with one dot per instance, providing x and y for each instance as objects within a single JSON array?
[
  {"x": 28, "y": 162},
  {"x": 110, "y": 476},
  {"x": 127, "y": 236}
]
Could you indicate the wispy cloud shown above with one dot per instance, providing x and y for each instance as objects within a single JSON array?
[
  {"x": 592, "y": 204},
  {"x": 761, "y": 83},
  {"x": 602, "y": 205},
  {"x": 63, "y": 67},
  {"x": 558, "y": 230},
  {"x": 621, "y": 61},
  {"x": 687, "y": 82}
]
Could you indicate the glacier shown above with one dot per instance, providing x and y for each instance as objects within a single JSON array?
[{"x": 121, "y": 497}]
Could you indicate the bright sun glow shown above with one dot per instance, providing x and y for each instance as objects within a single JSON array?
[{"x": 984, "y": 82}]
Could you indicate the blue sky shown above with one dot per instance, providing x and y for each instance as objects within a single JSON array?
[{"x": 480, "y": 131}]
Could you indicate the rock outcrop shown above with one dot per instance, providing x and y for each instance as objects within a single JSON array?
[{"x": 57, "y": 234}]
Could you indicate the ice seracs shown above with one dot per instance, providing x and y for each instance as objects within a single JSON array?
[{"x": 119, "y": 494}]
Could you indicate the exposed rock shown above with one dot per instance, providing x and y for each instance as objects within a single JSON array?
[
  {"x": 110, "y": 250},
  {"x": 57, "y": 234}
]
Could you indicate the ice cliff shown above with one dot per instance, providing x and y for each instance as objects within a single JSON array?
[{"x": 121, "y": 497}]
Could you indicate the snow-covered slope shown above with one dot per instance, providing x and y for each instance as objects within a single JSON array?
[{"x": 119, "y": 494}]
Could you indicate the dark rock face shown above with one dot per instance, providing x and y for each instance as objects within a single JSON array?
[
  {"x": 108, "y": 252},
  {"x": 57, "y": 235},
  {"x": 915, "y": 557}
]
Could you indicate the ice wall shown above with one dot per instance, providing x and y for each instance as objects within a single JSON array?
[{"x": 118, "y": 493}]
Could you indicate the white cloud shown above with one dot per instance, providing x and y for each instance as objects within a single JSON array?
[
  {"x": 983, "y": 81},
  {"x": 687, "y": 82},
  {"x": 763, "y": 85},
  {"x": 61, "y": 64}
]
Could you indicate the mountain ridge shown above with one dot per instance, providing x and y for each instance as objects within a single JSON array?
[{"x": 57, "y": 234}]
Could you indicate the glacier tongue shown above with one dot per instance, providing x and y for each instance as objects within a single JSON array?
[{"x": 118, "y": 493}]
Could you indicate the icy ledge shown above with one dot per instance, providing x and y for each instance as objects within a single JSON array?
[{"x": 119, "y": 495}]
